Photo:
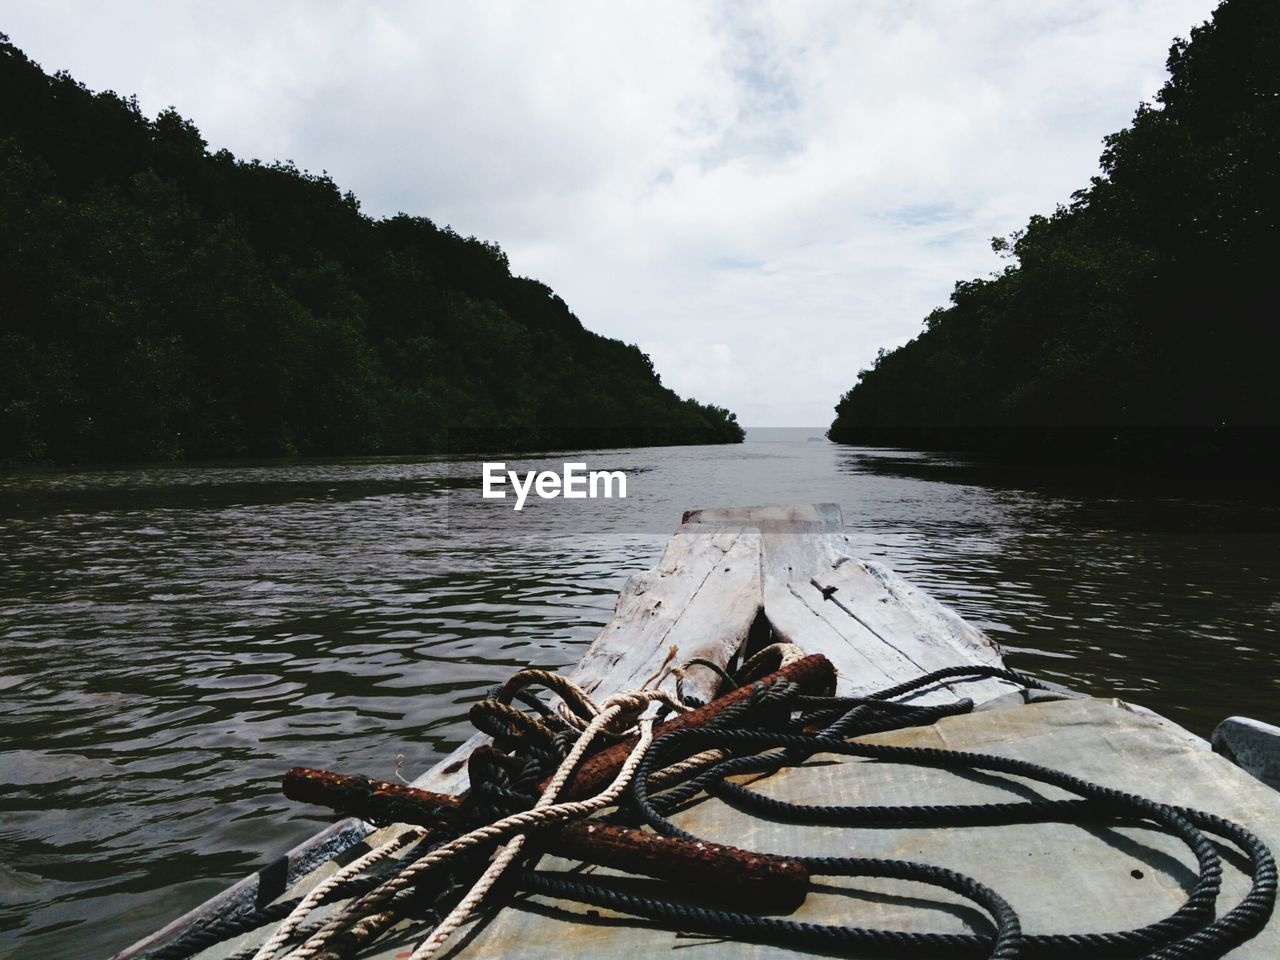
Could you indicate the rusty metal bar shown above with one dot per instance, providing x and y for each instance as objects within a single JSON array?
[
  {"x": 814, "y": 674},
  {"x": 365, "y": 797},
  {"x": 720, "y": 872},
  {"x": 743, "y": 876}
]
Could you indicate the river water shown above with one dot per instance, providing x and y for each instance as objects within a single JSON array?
[{"x": 172, "y": 638}]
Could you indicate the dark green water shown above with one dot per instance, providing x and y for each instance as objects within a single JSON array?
[{"x": 173, "y": 638}]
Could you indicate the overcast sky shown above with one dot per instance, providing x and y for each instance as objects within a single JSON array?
[{"x": 758, "y": 194}]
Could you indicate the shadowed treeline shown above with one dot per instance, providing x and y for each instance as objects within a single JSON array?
[
  {"x": 1147, "y": 303},
  {"x": 158, "y": 301}
]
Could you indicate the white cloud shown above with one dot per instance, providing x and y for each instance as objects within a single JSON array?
[{"x": 760, "y": 194}]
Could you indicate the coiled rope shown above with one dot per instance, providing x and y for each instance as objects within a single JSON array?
[{"x": 448, "y": 870}]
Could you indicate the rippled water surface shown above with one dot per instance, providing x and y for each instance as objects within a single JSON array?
[{"x": 173, "y": 638}]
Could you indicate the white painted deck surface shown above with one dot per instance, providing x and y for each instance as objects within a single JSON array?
[
  {"x": 1060, "y": 878},
  {"x": 735, "y": 577}
]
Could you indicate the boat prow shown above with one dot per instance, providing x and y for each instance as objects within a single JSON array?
[{"x": 734, "y": 581}]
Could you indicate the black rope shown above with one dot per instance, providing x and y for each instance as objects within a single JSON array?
[
  {"x": 960, "y": 672},
  {"x": 1189, "y": 932},
  {"x": 726, "y": 678},
  {"x": 776, "y": 726},
  {"x": 796, "y": 933}
]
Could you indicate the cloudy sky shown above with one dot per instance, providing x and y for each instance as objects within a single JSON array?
[{"x": 759, "y": 194}]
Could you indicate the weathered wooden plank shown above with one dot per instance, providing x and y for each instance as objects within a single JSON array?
[
  {"x": 905, "y": 629},
  {"x": 875, "y": 627},
  {"x": 797, "y": 614},
  {"x": 700, "y": 600}
]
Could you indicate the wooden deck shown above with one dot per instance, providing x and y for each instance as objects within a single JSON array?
[{"x": 732, "y": 580}]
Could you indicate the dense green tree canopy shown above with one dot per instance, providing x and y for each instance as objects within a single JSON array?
[
  {"x": 161, "y": 301},
  {"x": 1147, "y": 302}
]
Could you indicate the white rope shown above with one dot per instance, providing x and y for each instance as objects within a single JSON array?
[
  {"x": 299, "y": 913},
  {"x": 663, "y": 668},
  {"x": 678, "y": 771},
  {"x": 368, "y": 924},
  {"x": 786, "y": 652},
  {"x": 570, "y": 718},
  {"x": 307, "y": 905},
  {"x": 459, "y": 915}
]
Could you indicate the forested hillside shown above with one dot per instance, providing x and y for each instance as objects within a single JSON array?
[
  {"x": 159, "y": 301},
  {"x": 1148, "y": 301}
]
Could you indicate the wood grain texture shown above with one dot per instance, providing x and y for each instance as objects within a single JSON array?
[{"x": 700, "y": 599}]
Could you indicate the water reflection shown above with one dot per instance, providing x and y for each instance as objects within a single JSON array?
[
  {"x": 1112, "y": 583},
  {"x": 173, "y": 638}
]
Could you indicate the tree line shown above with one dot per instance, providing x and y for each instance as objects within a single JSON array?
[
  {"x": 159, "y": 300},
  {"x": 1138, "y": 319}
]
